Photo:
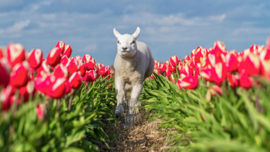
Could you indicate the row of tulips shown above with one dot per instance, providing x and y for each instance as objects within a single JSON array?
[
  {"x": 213, "y": 100},
  {"x": 217, "y": 65},
  {"x": 54, "y": 76},
  {"x": 58, "y": 103}
]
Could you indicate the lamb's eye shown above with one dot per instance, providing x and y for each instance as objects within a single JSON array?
[
  {"x": 118, "y": 42},
  {"x": 132, "y": 42}
]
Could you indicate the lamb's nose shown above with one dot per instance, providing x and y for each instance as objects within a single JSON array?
[{"x": 124, "y": 48}]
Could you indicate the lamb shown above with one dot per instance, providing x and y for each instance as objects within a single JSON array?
[{"x": 133, "y": 63}]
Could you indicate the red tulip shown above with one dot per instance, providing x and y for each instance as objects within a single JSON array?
[
  {"x": 208, "y": 73},
  {"x": 64, "y": 60},
  {"x": 163, "y": 68},
  {"x": 43, "y": 69},
  {"x": 197, "y": 55},
  {"x": 4, "y": 70},
  {"x": 27, "y": 90},
  {"x": 217, "y": 89},
  {"x": 233, "y": 80},
  {"x": 54, "y": 56},
  {"x": 90, "y": 64},
  {"x": 189, "y": 82},
  {"x": 219, "y": 48},
  {"x": 15, "y": 54},
  {"x": 231, "y": 62},
  {"x": 172, "y": 79},
  {"x": 265, "y": 54},
  {"x": 82, "y": 69},
  {"x": 251, "y": 64},
  {"x": 68, "y": 51},
  {"x": 35, "y": 58},
  {"x": 40, "y": 112},
  {"x": 1, "y": 53},
  {"x": 168, "y": 72},
  {"x": 86, "y": 77},
  {"x": 44, "y": 83},
  {"x": 58, "y": 88},
  {"x": 60, "y": 71},
  {"x": 68, "y": 88},
  {"x": 20, "y": 74},
  {"x": 187, "y": 59},
  {"x": 61, "y": 45},
  {"x": 87, "y": 58},
  {"x": 253, "y": 48},
  {"x": 220, "y": 73},
  {"x": 92, "y": 76},
  {"x": 245, "y": 81},
  {"x": 5, "y": 98},
  {"x": 174, "y": 61},
  {"x": 72, "y": 66},
  {"x": 103, "y": 71},
  {"x": 75, "y": 80},
  {"x": 266, "y": 69}
]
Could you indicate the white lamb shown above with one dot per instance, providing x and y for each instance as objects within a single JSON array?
[{"x": 133, "y": 63}]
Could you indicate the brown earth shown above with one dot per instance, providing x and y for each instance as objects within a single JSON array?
[{"x": 144, "y": 136}]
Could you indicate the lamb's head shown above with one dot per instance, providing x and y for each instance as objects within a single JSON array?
[{"x": 126, "y": 43}]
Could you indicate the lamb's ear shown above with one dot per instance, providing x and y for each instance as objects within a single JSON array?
[
  {"x": 116, "y": 33},
  {"x": 136, "y": 33}
]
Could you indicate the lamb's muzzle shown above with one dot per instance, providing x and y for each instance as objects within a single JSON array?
[{"x": 133, "y": 63}]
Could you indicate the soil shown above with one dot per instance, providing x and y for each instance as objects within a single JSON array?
[{"x": 144, "y": 136}]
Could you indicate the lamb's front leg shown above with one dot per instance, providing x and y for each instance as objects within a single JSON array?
[
  {"x": 134, "y": 104},
  {"x": 120, "y": 96}
]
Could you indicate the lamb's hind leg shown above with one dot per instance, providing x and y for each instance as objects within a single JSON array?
[
  {"x": 120, "y": 96},
  {"x": 134, "y": 104}
]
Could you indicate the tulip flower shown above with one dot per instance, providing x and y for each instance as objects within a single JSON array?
[
  {"x": 216, "y": 89},
  {"x": 43, "y": 69},
  {"x": 15, "y": 54},
  {"x": 27, "y": 90},
  {"x": 61, "y": 45},
  {"x": 197, "y": 55},
  {"x": 233, "y": 80},
  {"x": 40, "y": 112},
  {"x": 87, "y": 58},
  {"x": 20, "y": 74},
  {"x": 103, "y": 71},
  {"x": 172, "y": 79},
  {"x": 86, "y": 77},
  {"x": 174, "y": 61},
  {"x": 265, "y": 54},
  {"x": 245, "y": 81},
  {"x": 163, "y": 68},
  {"x": 35, "y": 58},
  {"x": 68, "y": 88},
  {"x": 220, "y": 73},
  {"x": 4, "y": 70},
  {"x": 171, "y": 67},
  {"x": 168, "y": 72},
  {"x": 82, "y": 69},
  {"x": 60, "y": 71},
  {"x": 44, "y": 83},
  {"x": 64, "y": 60},
  {"x": 208, "y": 73},
  {"x": 266, "y": 69},
  {"x": 219, "y": 48},
  {"x": 72, "y": 66},
  {"x": 75, "y": 80},
  {"x": 187, "y": 59},
  {"x": 1, "y": 53},
  {"x": 253, "y": 48},
  {"x": 67, "y": 51},
  {"x": 5, "y": 98},
  {"x": 92, "y": 76},
  {"x": 54, "y": 56},
  {"x": 58, "y": 88},
  {"x": 268, "y": 43},
  {"x": 231, "y": 62},
  {"x": 188, "y": 82},
  {"x": 89, "y": 62},
  {"x": 251, "y": 64}
]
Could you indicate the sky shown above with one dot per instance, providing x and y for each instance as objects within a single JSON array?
[{"x": 168, "y": 27}]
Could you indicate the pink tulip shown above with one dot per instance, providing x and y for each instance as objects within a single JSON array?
[
  {"x": 60, "y": 71},
  {"x": 231, "y": 62},
  {"x": 68, "y": 88},
  {"x": 245, "y": 81},
  {"x": 64, "y": 60},
  {"x": 233, "y": 80},
  {"x": 92, "y": 76},
  {"x": 35, "y": 58},
  {"x": 82, "y": 69},
  {"x": 54, "y": 56},
  {"x": 20, "y": 74},
  {"x": 15, "y": 54},
  {"x": 43, "y": 69},
  {"x": 103, "y": 71},
  {"x": 5, "y": 98},
  {"x": 44, "y": 83},
  {"x": 189, "y": 82},
  {"x": 187, "y": 59},
  {"x": 75, "y": 80},
  {"x": 4, "y": 70},
  {"x": 72, "y": 66},
  {"x": 174, "y": 61},
  {"x": 220, "y": 73},
  {"x": 68, "y": 51},
  {"x": 61, "y": 45},
  {"x": 27, "y": 90},
  {"x": 58, "y": 88},
  {"x": 251, "y": 64},
  {"x": 1, "y": 53}
]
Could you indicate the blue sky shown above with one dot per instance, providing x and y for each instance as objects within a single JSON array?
[{"x": 169, "y": 27}]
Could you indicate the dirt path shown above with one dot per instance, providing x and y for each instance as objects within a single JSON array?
[{"x": 143, "y": 136}]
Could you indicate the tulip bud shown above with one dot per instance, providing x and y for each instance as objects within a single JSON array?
[
  {"x": 5, "y": 98},
  {"x": 174, "y": 60},
  {"x": 82, "y": 69},
  {"x": 233, "y": 80},
  {"x": 58, "y": 88},
  {"x": 231, "y": 62},
  {"x": 103, "y": 71},
  {"x": 1, "y": 53},
  {"x": 35, "y": 58},
  {"x": 187, "y": 59},
  {"x": 41, "y": 111},
  {"x": 27, "y": 90},
  {"x": 64, "y": 60},
  {"x": 43, "y": 69},
  {"x": 75, "y": 80},
  {"x": 188, "y": 82},
  {"x": 61, "y": 45},
  {"x": 251, "y": 64},
  {"x": 220, "y": 73},
  {"x": 20, "y": 74},
  {"x": 72, "y": 66},
  {"x": 68, "y": 51},
  {"x": 54, "y": 56},
  {"x": 245, "y": 81},
  {"x": 60, "y": 71},
  {"x": 92, "y": 76},
  {"x": 15, "y": 54},
  {"x": 4, "y": 70}
]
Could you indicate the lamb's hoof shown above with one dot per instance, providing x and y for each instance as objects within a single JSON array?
[
  {"x": 119, "y": 110},
  {"x": 129, "y": 122}
]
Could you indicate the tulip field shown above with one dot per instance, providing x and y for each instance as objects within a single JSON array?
[{"x": 212, "y": 100}]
